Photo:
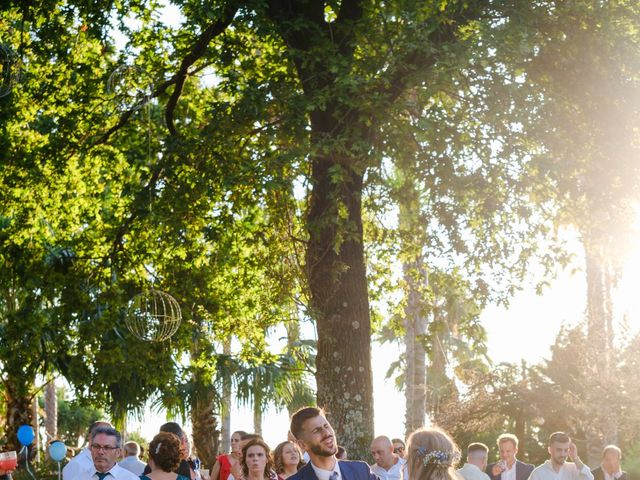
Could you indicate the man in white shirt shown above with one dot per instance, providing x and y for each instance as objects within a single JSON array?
[
  {"x": 509, "y": 467},
  {"x": 82, "y": 462},
  {"x": 131, "y": 461},
  {"x": 477, "y": 456},
  {"x": 557, "y": 467},
  {"x": 388, "y": 465},
  {"x": 105, "y": 448}
]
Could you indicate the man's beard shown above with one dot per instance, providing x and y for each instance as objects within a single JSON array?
[{"x": 322, "y": 451}]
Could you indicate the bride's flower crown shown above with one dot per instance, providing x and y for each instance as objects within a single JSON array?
[{"x": 438, "y": 457}]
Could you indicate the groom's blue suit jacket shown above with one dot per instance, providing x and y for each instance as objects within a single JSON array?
[{"x": 349, "y": 469}]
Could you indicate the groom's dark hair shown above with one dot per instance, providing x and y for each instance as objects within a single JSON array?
[
  {"x": 559, "y": 437},
  {"x": 301, "y": 416}
]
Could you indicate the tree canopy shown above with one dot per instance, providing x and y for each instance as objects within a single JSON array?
[{"x": 268, "y": 161}]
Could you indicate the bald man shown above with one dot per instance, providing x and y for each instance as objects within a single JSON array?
[{"x": 388, "y": 465}]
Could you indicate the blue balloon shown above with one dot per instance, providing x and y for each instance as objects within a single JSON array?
[
  {"x": 26, "y": 435},
  {"x": 57, "y": 451}
]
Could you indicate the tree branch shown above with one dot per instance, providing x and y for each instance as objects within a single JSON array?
[
  {"x": 415, "y": 60},
  {"x": 179, "y": 78},
  {"x": 196, "y": 52}
]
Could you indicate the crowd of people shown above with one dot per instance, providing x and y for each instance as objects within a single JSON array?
[{"x": 312, "y": 453}]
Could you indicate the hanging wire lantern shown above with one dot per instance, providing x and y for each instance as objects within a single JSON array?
[{"x": 153, "y": 316}]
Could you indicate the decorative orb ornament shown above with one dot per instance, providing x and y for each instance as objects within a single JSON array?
[
  {"x": 9, "y": 69},
  {"x": 153, "y": 316}
]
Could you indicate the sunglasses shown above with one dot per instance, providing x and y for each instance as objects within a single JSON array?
[{"x": 398, "y": 450}]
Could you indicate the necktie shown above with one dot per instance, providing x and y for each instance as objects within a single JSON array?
[
  {"x": 102, "y": 475},
  {"x": 333, "y": 476}
]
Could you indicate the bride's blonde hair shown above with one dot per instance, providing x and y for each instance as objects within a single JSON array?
[{"x": 432, "y": 455}]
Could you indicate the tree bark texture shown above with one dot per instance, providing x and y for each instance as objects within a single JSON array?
[
  {"x": 415, "y": 324},
  {"x": 205, "y": 431},
  {"x": 19, "y": 412},
  {"x": 415, "y": 320},
  {"x": 257, "y": 403},
  {"x": 340, "y": 303},
  {"x": 203, "y": 416},
  {"x": 225, "y": 435},
  {"x": 51, "y": 410}
]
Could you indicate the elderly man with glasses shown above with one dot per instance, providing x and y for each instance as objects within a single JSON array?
[
  {"x": 105, "y": 449},
  {"x": 82, "y": 461}
]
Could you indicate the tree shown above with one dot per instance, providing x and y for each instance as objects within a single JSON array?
[
  {"x": 92, "y": 217},
  {"x": 324, "y": 75}
]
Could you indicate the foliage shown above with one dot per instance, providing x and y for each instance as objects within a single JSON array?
[
  {"x": 74, "y": 419},
  {"x": 92, "y": 216},
  {"x": 535, "y": 401},
  {"x": 228, "y": 160}
]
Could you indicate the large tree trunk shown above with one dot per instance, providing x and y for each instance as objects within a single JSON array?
[
  {"x": 602, "y": 429},
  {"x": 19, "y": 412},
  {"x": 51, "y": 410},
  {"x": 226, "y": 405},
  {"x": 205, "y": 432},
  {"x": 203, "y": 417},
  {"x": 257, "y": 403},
  {"x": 415, "y": 325},
  {"x": 438, "y": 382},
  {"x": 415, "y": 317},
  {"x": 323, "y": 54},
  {"x": 340, "y": 303},
  {"x": 34, "y": 449}
]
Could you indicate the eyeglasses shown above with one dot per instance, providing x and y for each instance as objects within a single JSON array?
[
  {"x": 106, "y": 448},
  {"x": 398, "y": 450}
]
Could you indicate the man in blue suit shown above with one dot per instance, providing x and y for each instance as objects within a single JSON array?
[{"x": 315, "y": 435}]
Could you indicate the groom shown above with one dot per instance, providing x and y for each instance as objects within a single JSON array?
[{"x": 315, "y": 435}]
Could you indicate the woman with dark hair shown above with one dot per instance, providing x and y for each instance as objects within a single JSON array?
[
  {"x": 224, "y": 463},
  {"x": 432, "y": 455},
  {"x": 288, "y": 459},
  {"x": 256, "y": 461},
  {"x": 164, "y": 457}
]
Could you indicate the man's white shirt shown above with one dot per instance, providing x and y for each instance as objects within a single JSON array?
[
  {"x": 469, "y": 471},
  {"x": 509, "y": 473},
  {"x": 568, "y": 471},
  {"x": 79, "y": 465},
  {"x": 323, "y": 474},
  {"x": 394, "y": 473},
  {"x": 116, "y": 473},
  {"x": 615, "y": 476}
]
